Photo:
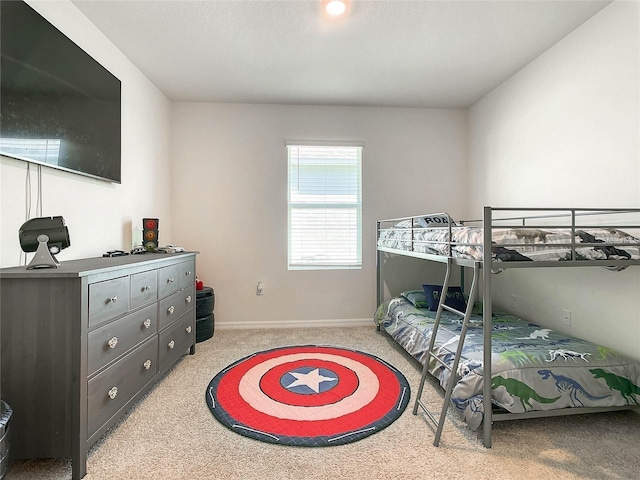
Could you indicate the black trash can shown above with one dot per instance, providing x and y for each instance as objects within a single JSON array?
[{"x": 205, "y": 320}]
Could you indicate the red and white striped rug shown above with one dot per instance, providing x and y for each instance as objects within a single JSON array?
[{"x": 308, "y": 395}]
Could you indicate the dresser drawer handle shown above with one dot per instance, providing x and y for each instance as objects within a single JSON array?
[
  {"x": 188, "y": 329},
  {"x": 113, "y": 393},
  {"x": 147, "y": 323},
  {"x": 113, "y": 342},
  {"x": 171, "y": 344},
  {"x": 146, "y": 288},
  {"x": 188, "y": 273},
  {"x": 171, "y": 309},
  {"x": 170, "y": 280},
  {"x": 113, "y": 299},
  {"x": 188, "y": 299},
  {"x": 147, "y": 364}
]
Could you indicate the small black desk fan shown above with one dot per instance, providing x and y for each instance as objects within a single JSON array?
[{"x": 46, "y": 236}]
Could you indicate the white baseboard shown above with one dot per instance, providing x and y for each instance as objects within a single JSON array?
[{"x": 351, "y": 322}]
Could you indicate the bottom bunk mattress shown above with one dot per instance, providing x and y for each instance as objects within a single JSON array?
[{"x": 533, "y": 368}]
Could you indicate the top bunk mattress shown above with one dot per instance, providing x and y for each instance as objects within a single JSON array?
[{"x": 439, "y": 235}]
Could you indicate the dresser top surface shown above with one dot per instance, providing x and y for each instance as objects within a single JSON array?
[{"x": 90, "y": 266}]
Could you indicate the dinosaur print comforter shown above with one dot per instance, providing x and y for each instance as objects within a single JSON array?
[
  {"x": 533, "y": 368},
  {"x": 513, "y": 244}
]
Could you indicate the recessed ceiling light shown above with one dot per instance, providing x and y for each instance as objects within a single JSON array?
[{"x": 335, "y": 7}]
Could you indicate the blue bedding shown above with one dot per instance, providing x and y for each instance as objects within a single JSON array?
[{"x": 533, "y": 368}]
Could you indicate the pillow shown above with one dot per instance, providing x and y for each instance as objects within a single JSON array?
[
  {"x": 455, "y": 298},
  {"x": 434, "y": 221},
  {"x": 416, "y": 297}
]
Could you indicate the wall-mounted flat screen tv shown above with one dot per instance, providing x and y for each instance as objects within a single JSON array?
[{"x": 59, "y": 107}]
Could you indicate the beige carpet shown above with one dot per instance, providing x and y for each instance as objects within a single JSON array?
[{"x": 171, "y": 433}]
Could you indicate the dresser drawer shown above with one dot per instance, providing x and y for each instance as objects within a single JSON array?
[
  {"x": 168, "y": 280},
  {"x": 175, "y": 340},
  {"x": 108, "y": 299},
  {"x": 144, "y": 288},
  {"x": 187, "y": 274},
  {"x": 108, "y": 342},
  {"x": 109, "y": 391},
  {"x": 173, "y": 307}
]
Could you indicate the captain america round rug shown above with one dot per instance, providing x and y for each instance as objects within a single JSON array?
[{"x": 309, "y": 395}]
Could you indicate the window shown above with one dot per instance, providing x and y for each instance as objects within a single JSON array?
[{"x": 325, "y": 206}]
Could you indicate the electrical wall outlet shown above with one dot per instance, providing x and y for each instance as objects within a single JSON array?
[
  {"x": 260, "y": 289},
  {"x": 566, "y": 317}
]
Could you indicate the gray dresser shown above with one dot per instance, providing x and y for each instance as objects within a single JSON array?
[{"x": 83, "y": 342}]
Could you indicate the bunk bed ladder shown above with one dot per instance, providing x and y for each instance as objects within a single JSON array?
[{"x": 453, "y": 369}]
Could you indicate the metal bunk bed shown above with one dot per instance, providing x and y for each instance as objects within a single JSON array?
[{"x": 483, "y": 267}]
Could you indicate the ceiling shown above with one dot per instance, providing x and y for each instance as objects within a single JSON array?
[{"x": 438, "y": 54}]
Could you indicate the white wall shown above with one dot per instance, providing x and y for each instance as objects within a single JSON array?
[
  {"x": 230, "y": 200},
  {"x": 99, "y": 215},
  {"x": 564, "y": 132}
]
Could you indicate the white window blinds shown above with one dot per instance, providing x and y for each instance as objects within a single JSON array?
[{"x": 325, "y": 206}]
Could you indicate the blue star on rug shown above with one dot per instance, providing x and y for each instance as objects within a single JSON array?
[{"x": 309, "y": 380}]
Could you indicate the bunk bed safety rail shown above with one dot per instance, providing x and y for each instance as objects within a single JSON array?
[{"x": 569, "y": 235}]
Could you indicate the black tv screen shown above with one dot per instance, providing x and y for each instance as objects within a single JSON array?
[{"x": 59, "y": 107}]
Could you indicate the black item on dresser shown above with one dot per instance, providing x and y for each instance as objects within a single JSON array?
[
  {"x": 83, "y": 342},
  {"x": 205, "y": 319}
]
